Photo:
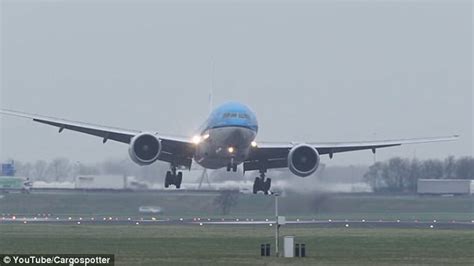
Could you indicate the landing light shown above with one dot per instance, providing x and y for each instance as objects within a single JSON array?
[
  {"x": 253, "y": 144},
  {"x": 196, "y": 139},
  {"x": 231, "y": 149}
]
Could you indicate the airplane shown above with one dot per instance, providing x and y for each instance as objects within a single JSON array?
[{"x": 225, "y": 140}]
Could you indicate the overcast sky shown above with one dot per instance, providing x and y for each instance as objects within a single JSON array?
[{"x": 312, "y": 71}]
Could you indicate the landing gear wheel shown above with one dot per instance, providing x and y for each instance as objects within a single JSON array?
[
  {"x": 256, "y": 185},
  {"x": 234, "y": 168},
  {"x": 262, "y": 184},
  {"x": 173, "y": 178},
  {"x": 229, "y": 167},
  {"x": 266, "y": 186},
  {"x": 178, "y": 179},
  {"x": 168, "y": 179}
]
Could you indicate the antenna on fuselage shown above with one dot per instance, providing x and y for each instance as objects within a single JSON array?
[
  {"x": 204, "y": 174},
  {"x": 210, "y": 101},
  {"x": 212, "y": 87}
]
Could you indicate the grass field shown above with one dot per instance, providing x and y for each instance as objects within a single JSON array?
[
  {"x": 323, "y": 206},
  {"x": 239, "y": 245}
]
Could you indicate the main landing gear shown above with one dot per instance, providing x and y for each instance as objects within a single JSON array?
[
  {"x": 262, "y": 184},
  {"x": 173, "y": 178}
]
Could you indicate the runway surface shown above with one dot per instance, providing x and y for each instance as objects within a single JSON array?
[{"x": 198, "y": 221}]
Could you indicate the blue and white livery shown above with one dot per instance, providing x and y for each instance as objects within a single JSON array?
[{"x": 227, "y": 139}]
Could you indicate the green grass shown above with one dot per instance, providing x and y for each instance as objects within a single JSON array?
[
  {"x": 329, "y": 206},
  {"x": 239, "y": 245}
]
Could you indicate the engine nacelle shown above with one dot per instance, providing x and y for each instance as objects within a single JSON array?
[
  {"x": 303, "y": 160},
  {"x": 144, "y": 148}
]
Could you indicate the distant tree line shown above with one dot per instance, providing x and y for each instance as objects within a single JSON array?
[
  {"x": 63, "y": 169},
  {"x": 396, "y": 174},
  {"x": 401, "y": 175}
]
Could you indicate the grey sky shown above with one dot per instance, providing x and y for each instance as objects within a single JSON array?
[{"x": 312, "y": 71}]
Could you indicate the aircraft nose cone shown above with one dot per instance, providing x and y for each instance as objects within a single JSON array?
[
  {"x": 236, "y": 137},
  {"x": 237, "y": 133}
]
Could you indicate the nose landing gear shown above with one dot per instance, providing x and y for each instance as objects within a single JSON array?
[
  {"x": 173, "y": 178},
  {"x": 232, "y": 166}
]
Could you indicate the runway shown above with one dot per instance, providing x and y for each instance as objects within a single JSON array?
[{"x": 198, "y": 221}]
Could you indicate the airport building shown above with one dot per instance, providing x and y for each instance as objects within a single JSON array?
[
  {"x": 445, "y": 186},
  {"x": 10, "y": 182}
]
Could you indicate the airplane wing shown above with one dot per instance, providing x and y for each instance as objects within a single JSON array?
[
  {"x": 181, "y": 149},
  {"x": 275, "y": 155},
  {"x": 177, "y": 149}
]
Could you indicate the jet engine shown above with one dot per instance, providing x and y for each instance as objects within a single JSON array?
[
  {"x": 144, "y": 148},
  {"x": 303, "y": 160}
]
